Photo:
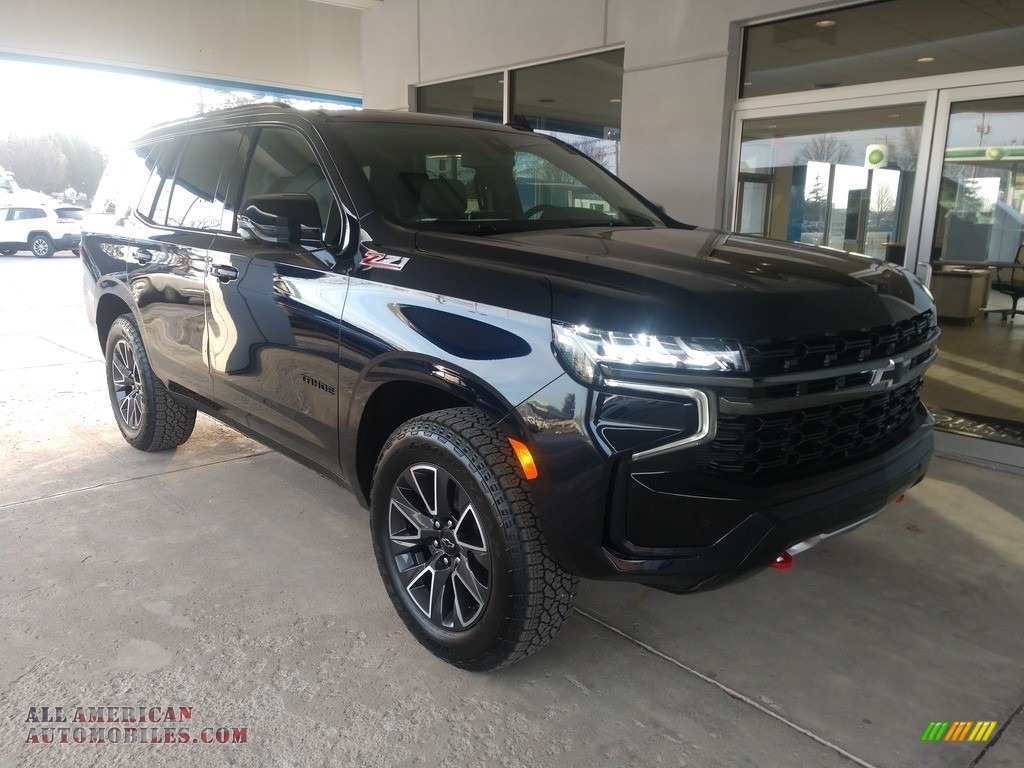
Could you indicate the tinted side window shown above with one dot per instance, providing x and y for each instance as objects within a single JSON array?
[
  {"x": 158, "y": 172},
  {"x": 123, "y": 180},
  {"x": 283, "y": 161},
  {"x": 197, "y": 199},
  {"x": 163, "y": 173}
]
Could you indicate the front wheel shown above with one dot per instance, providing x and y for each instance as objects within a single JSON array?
[
  {"x": 458, "y": 546},
  {"x": 148, "y": 417},
  {"x": 41, "y": 246}
]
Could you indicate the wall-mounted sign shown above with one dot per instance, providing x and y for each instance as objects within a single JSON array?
[{"x": 876, "y": 156}]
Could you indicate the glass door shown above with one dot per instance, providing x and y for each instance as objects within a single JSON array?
[
  {"x": 843, "y": 179},
  {"x": 980, "y": 207},
  {"x": 974, "y": 224}
]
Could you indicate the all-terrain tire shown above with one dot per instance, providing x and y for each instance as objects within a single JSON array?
[
  {"x": 456, "y": 538},
  {"x": 148, "y": 417}
]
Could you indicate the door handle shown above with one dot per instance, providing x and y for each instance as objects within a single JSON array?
[
  {"x": 224, "y": 273},
  {"x": 143, "y": 256}
]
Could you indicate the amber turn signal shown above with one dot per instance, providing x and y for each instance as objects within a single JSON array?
[{"x": 525, "y": 459}]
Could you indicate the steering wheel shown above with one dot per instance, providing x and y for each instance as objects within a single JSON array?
[{"x": 539, "y": 208}]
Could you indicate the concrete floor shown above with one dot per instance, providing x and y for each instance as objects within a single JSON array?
[{"x": 226, "y": 578}]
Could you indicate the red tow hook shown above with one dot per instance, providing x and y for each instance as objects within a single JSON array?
[
  {"x": 900, "y": 499},
  {"x": 783, "y": 562}
]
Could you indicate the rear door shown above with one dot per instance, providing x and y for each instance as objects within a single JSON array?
[
  {"x": 184, "y": 206},
  {"x": 19, "y": 221},
  {"x": 275, "y": 308}
]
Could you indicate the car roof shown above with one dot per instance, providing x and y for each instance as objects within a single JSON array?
[
  {"x": 41, "y": 205},
  {"x": 234, "y": 116}
]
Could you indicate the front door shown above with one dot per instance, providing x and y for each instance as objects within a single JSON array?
[{"x": 273, "y": 324}]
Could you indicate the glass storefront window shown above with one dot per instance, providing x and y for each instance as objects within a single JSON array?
[
  {"x": 841, "y": 179},
  {"x": 576, "y": 100},
  {"x": 479, "y": 98},
  {"x": 881, "y": 41}
]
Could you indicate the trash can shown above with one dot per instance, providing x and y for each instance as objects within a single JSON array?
[{"x": 960, "y": 293}]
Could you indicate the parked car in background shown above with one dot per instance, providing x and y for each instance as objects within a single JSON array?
[{"x": 41, "y": 229}]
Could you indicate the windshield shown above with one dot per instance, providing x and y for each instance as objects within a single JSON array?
[{"x": 460, "y": 179}]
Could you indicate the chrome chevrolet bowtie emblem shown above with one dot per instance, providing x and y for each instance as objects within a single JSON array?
[{"x": 887, "y": 374}]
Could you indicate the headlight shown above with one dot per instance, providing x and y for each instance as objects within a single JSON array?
[{"x": 585, "y": 351}]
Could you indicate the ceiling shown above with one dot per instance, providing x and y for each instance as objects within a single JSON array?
[
  {"x": 882, "y": 41},
  {"x": 359, "y": 5}
]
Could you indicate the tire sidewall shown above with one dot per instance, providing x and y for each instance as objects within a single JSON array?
[{"x": 486, "y": 635}]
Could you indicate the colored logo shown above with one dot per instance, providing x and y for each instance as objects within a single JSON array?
[
  {"x": 959, "y": 730},
  {"x": 378, "y": 260}
]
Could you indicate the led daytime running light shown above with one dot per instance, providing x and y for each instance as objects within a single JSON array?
[{"x": 583, "y": 349}]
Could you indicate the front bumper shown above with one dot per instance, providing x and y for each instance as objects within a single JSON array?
[
  {"x": 664, "y": 521},
  {"x": 761, "y": 521}
]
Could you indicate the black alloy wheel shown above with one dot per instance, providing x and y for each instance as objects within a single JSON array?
[
  {"x": 148, "y": 417},
  {"x": 458, "y": 546},
  {"x": 438, "y": 544}
]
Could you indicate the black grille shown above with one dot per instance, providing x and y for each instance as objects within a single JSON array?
[
  {"x": 779, "y": 446},
  {"x": 768, "y": 356}
]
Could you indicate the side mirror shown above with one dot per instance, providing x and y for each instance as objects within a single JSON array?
[{"x": 286, "y": 218}]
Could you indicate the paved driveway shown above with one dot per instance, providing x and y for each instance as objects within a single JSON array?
[{"x": 233, "y": 586}]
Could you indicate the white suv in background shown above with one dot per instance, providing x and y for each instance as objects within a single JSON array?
[{"x": 40, "y": 229}]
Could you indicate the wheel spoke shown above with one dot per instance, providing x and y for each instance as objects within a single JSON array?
[
  {"x": 126, "y": 381},
  {"x": 412, "y": 525},
  {"x": 121, "y": 374},
  {"x": 122, "y": 363},
  {"x": 420, "y": 583},
  {"x": 125, "y": 406},
  {"x": 478, "y": 591},
  {"x": 444, "y": 609},
  {"x": 469, "y": 533},
  {"x": 423, "y": 478}
]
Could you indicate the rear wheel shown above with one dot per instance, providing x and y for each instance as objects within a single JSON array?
[
  {"x": 458, "y": 546},
  {"x": 41, "y": 246},
  {"x": 148, "y": 417},
  {"x": 8, "y": 251}
]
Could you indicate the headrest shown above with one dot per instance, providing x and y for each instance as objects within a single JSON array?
[{"x": 443, "y": 198}]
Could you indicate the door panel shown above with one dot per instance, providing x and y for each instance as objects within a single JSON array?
[
  {"x": 272, "y": 336},
  {"x": 166, "y": 273},
  {"x": 184, "y": 203}
]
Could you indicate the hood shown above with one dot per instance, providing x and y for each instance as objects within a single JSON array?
[{"x": 697, "y": 282}]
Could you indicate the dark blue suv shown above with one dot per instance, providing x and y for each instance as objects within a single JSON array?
[{"x": 524, "y": 370}]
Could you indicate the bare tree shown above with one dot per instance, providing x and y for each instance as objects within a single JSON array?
[
  {"x": 824, "y": 148},
  {"x": 885, "y": 199},
  {"x": 908, "y": 145}
]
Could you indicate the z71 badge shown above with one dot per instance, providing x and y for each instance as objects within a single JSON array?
[{"x": 379, "y": 260}]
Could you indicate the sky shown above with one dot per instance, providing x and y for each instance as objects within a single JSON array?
[{"x": 107, "y": 108}]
